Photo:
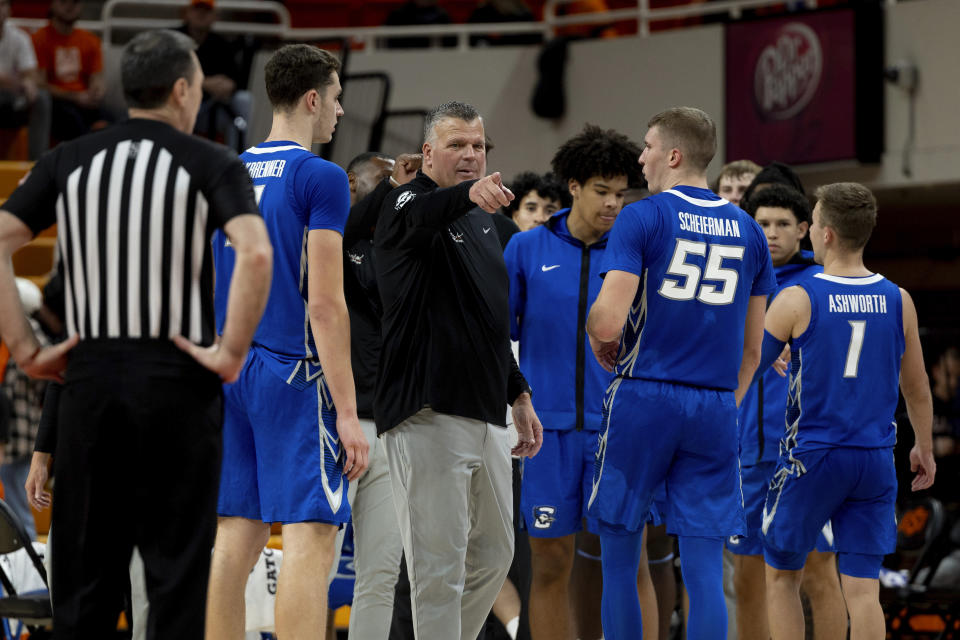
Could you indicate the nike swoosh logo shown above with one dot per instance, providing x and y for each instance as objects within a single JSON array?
[
  {"x": 486, "y": 229},
  {"x": 545, "y": 268}
]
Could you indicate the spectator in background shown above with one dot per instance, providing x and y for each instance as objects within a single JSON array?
[
  {"x": 734, "y": 179},
  {"x": 21, "y": 101},
  {"x": 773, "y": 173},
  {"x": 600, "y": 30},
  {"x": 537, "y": 198},
  {"x": 944, "y": 376},
  {"x": 946, "y": 421},
  {"x": 503, "y": 11},
  {"x": 225, "y": 109},
  {"x": 418, "y": 12},
  {"x": 25, "y": 398},
  {"x": 71, "y": 67}
]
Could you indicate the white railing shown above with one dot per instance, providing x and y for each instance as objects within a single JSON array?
[
  {"x": 236, "y": 8},
  {"x": 372, "y": 38},
  {"x": 644, "y": 15}
]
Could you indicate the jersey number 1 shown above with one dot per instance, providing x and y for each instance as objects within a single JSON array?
[
  {"x": 858, "y": 328},
  {"x": 708, "y": 293}
]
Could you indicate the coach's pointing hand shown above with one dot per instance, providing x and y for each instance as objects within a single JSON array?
[{"x": 489, "y": 193}]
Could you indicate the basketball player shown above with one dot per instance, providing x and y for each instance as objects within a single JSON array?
[
  {"x": 294, "y": 406},
  {"x": 853, "y": 337},
  {"x": 679, "y": 320}
]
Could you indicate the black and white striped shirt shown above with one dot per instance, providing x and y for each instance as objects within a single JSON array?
[{"x": 135, "y": 206}]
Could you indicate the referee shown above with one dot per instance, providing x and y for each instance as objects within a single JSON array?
[{"x": 135, "y": 206}]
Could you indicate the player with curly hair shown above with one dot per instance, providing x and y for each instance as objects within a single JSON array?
[{"x": 554, "y": 277}]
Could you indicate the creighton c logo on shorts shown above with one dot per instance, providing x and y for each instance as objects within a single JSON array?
[{"x": 543, "y": 517}]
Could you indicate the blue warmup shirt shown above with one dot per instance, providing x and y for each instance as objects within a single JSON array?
[
  {"x": 845, "y": 369},
  {"x": 699, "y": 259},
  {"x": 762, "y": 409},
  {"x": 553, "y": 283},
  {"x": 297, "y": 192}
]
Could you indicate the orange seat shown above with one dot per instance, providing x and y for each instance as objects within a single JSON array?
[
  {"x": 36, "y": 258},
  {"x": 14, "y": 144},
  {"x": 11, "y": 171}
]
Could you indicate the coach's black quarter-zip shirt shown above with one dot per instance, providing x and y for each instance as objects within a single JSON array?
[{"x": 446, "y": 323}]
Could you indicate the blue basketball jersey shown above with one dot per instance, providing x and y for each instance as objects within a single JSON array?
[
  {"x": 297, "y": 192},
  {"x": 699, "y": 259},
  {"x": 845, "y": 368}
]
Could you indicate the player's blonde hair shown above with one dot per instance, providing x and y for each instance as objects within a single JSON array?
[{"x": 691, "y": 130}]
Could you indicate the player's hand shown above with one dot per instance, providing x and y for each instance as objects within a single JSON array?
[
  {"x": 489, "y": 194},
  {"x": 355, "y": 446},
  {"x": 605, "y": 352},
  {"x": 405, "y": 167},
  {"x": 36, "y": 484},
  {"x": 782, "y": 364},
  {"x": 221, "y": 361},
  {"x": 529, "y": 429},
  {"x": 923, "y": 464},
  {"x": 49, "y": 363}
]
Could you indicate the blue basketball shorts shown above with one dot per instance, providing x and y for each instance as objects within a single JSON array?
[
  {"x": 282, "y": 460},
  {"x": 756, "y": 481},
  {"x": 683, "y": 437},
  {"x": 556, "y": 483},
  {"x": 854, "y": 489}
]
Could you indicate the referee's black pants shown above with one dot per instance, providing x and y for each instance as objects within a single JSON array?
[{"x": 137, "y": 463}]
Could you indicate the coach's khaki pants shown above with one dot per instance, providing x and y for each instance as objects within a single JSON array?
[{"x": 452, "y": 487}]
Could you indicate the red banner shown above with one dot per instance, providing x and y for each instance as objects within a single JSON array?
[{"x": 791, "y": 89}]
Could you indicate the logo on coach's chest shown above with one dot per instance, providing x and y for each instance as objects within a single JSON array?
[
  {"x": 456, "y": 236},
  {"x": 356, "y": 258}
]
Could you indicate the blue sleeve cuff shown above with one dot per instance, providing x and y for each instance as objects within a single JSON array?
[{"x": 770, "y": 350}]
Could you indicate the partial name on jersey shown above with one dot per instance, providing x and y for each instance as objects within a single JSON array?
[{"x": 266, "y": 168}]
